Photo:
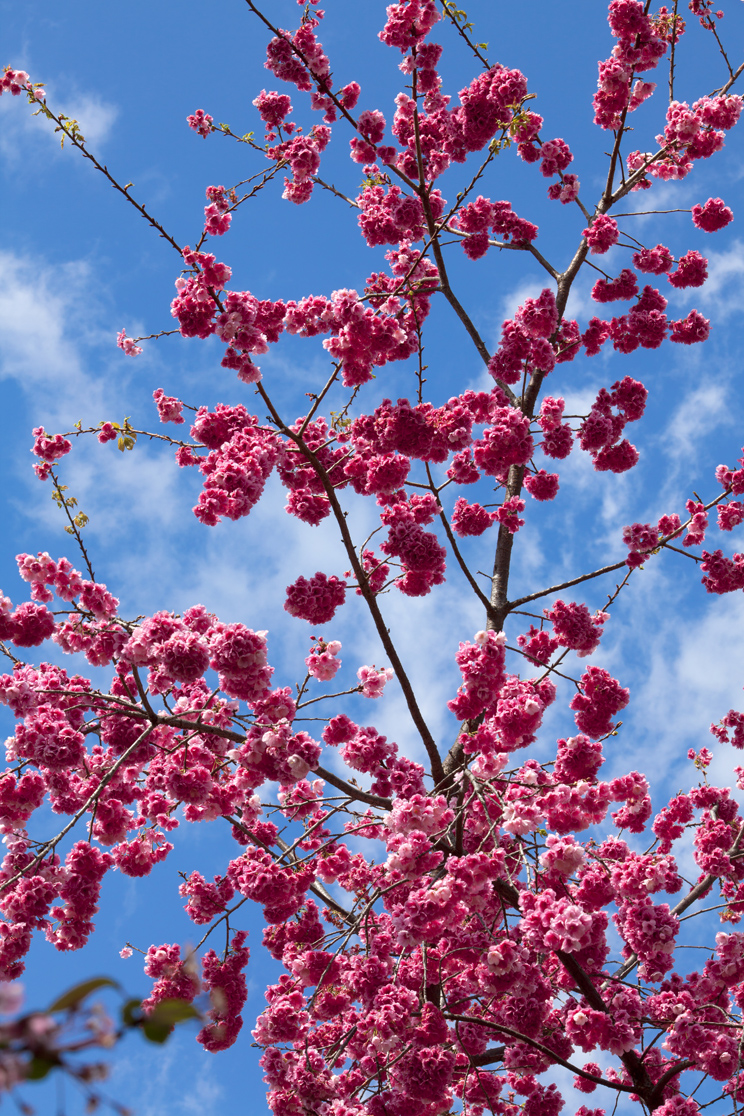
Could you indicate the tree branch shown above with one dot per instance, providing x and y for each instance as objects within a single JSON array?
[{"x": 369, "y": 597}]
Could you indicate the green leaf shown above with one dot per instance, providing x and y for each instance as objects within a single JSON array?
[
  {"x": 76, "y": 995},
  {"x": 159, "y": 1024},
  {"x": 38, "y": 1068},
  {"x": 156, "y": 1032},
  {"x": 173, "y": 1011},
  {"x": 131, "y": 1013}
]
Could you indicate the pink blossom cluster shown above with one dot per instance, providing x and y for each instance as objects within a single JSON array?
[
  {"x": 127, "y": 345},
  {"x": 408, "y": 23},
  {"x": 432, "y": 900},
  {"x": 513, "y": 966},
  {"x": 373, "y": 681},
  {"x": 273, "y": 750},
  {"x": 217, "y": 216},
  {"x": 695, "y": 132},
  {"x": 85, "y": 866},
  {"x": 315, "y": 599},
  {"x": 169, "y": 408},
  {"x": 181, "y": 650},
  {"x": 273, "y": 109},
  {"x": 16, "y": 82},
  {"x": 478, "y": 950},
  {"x": 489, "y": 104},
  {"x": 646, "y": 324},
  {"x": 482, "y": 667},
  {"x": 642, "y": 538},
  {"x": 506, "y": 442},
  {"x": 640, "y": 46},
  {"x": 50, "y": 450},
  {"x": 388, "y": 216},
  {"x": 601, "y": 234},
  {"x": 308, "y": 499},
  {"x": 534, "y": 341},
  {"x": 574, "y": 627},
  {"x": 299, "y": 58},
  {"x": 30, "y": 624},
  {"x": 302, "y": 155},
  {"x": 712, "y": 216},
  {"x": 478, "y": 217},
  {"x": 241, "y": 458},
  {"x": 205, "y": 900},
  {"x": 201, "y": 122},
  {"x": 600, "y": 698},
  {"x": 226, "y": 984},
  {"x": 194, "y": 305},
  {"x": 470, "y": 519},
  {"x": 508, "y": 514},
  {"x": 419, "y": 552},
  {"x": 601, "y": 429},
  {"x": 323, "y": 662},
  {"x": 368, "y": 336},
  {"x": 721, "y": 574},
  {"x": 174, "y": 979},
  {"x": 366, "y": 147}
]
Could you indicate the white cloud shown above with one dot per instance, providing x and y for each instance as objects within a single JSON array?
[
  {"x": 95, "y": 117},
  {"x": 22, "y": 132},
  {"x": 178, "y": 1077},
  {"x": 529, "y": 287},
  {"x": 34, "y": 304},
  {"x": 724, "y": 289},
  {"x": 50, "y": 320},
  {"x": 699, "y": 413}
]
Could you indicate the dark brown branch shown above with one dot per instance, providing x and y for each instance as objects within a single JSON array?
[
  {"x": 520, "y": 247},
  {"x": 456, "y": 551},
  {"x": 725, "y": 88},
  {"x": 61, "y": 501},
  {"x": 444, "y": 283},
  {"x": 500, "y": 606},
  {"x": 565, "y": 585},
  {"x": 693, "y": 894},
  {"x": 672, "y": 47},
  {"x": 124, "y": 190},
  {"x": 495, "y": 1054},
  {"x": 542, "y": 1048},
  {"x": 323, "y": 87},
  {"x": 678, "y": 1067},
  {"x": 93, "y": 798},
  {"x": 638, "y": 1073},
  {"x": 351, "y": 791},
  {"x": 338, "y": 193},
  {"x": 450, "y": 11},
  {"x": 405, "y": 684},
  {"x": 316, "y": 888}
]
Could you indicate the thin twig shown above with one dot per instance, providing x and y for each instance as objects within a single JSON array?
[{"x": 79, "y": 142}]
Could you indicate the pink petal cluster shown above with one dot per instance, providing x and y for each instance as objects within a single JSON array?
[
  {"x": 315, "y": 599},
  {"x": 712, "y": 216},
  {"x": 323, "y": 662}
]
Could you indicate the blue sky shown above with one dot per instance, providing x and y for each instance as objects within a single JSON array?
[{"x": 78, "y": 265}]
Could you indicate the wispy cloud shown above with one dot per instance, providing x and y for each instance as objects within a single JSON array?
[
  {"x": 23, "y": 133},
  {"x": 51, "y": 330},
  {"x": 724, "y": 288},
  {"x": 701, "y": 411}
]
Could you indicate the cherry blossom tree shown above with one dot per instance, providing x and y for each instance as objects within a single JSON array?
[{"x": 456, "y": 931}]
